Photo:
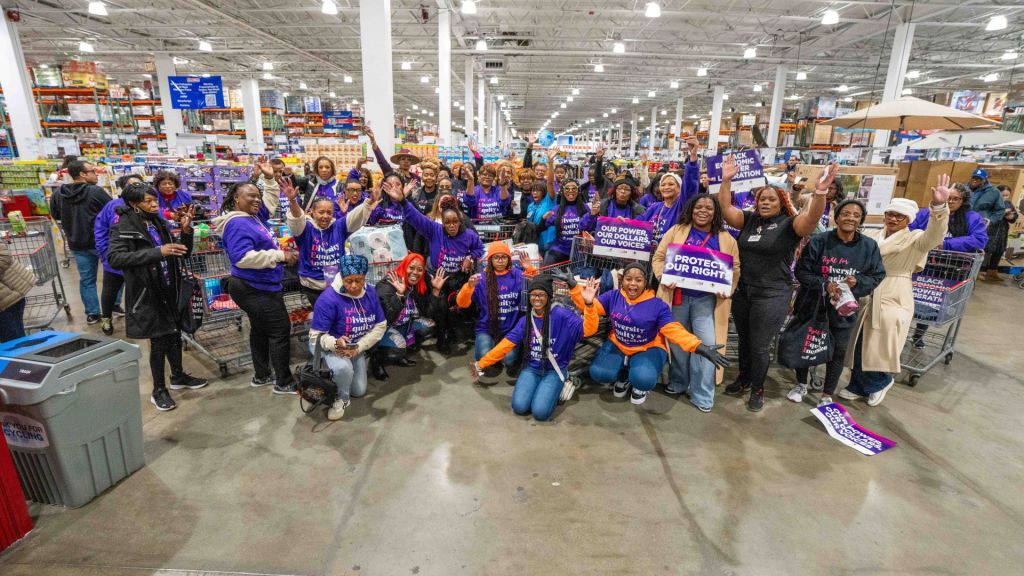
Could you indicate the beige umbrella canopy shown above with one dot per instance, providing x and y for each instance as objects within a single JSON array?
[
  {"x": 981, "y": 137},
  {"x": 909, "y": 113}
]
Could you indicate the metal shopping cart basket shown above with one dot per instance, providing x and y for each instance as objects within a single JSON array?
[
  {"x": 223, "y": 336},
  {"x": 34, "y": 248},
  {"x": 941, "y": 292},
  {"x": 490, "y": 230}
]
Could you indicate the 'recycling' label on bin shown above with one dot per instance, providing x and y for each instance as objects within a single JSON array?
[{"x": 23, "y": 432}]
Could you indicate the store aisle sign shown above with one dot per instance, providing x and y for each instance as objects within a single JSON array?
[
  {"x": 750, "y": 176},
  {"x": 621, "y": 238},
  {"x": 23, "y": 432},
  {"x": 196, "y": 93},
  {"x": 841, "y": 426},
  {"x": 698, "y": 268},
  {"x": 338, "y": 119}
]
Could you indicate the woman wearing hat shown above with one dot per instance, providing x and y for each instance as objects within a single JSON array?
[
  {"x": 769, "y": 236},
  {"x": 840, "y": 256},
  {"x": 704, "y": 314},
  {"x": 498, "y": 298},
  {"x": 411, "y": 309},
  {"x": 621, "y": 203},
  {"x": 404, "y": 159},
  {"x": 347, "y": 321},
  {"x": 550, "y": 335},
  {"x": 641, "y": 327},
  {"x": 884, "y": 323}
]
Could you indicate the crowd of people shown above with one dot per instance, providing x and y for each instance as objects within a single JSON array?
[{"x": 793, "y": 251}]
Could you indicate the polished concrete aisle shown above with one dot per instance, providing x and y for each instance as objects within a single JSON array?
[{"x": 431, "y": 475}]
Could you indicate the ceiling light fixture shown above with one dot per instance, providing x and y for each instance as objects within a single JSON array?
[
  {"x": 653, "y": 10},
  {"x": 84, "y": 46},
  {"x": 842, "y": 88},
  {"x": 302, "y": 86},
  {"x": 604, "y": 115},
  {"x": 750, "y": 52},
  {"x": 575, "y": 91},
  {"x": 494, "y": 80},
  {"x": 97, "y": 8},
  {"x": 996, "y": 23},
  {"x": 481, "y": 45},
  {"x": 267, "y": 66},
  {"x": 354, "y": 101},
  {"x": 848, "y": 99},
  {"x": 913, "y": 74},
  {"x": 906, "y": 92},
  {"x": 406, "y": 65},
  {"x": 205, "y": 46},
  {"x": 636, "y": 100},
  {"x": 725, "y": 96},
  {"x": 329, "y": 7},
  {"x": 333, "y": 95},
  {"x": 568, "y": 98},
  {"x": 598, "y": 68},
  {"x": 562, "y": 105},
  {"x": 991, "y": 77},
  {"x": 347, "y": 79},
  {"x": 267, "y": 76},
  {"x": 619, "y": 48},
  {"x": 424, "y": 79},
  {"x": 651, "y": 94},
  {"x": 615, "y": 110},
  {"x": 801, "y": 75},
  {"x": 641, "y": 119},
  {"x": 469, "y": 6},
  {"x": 758, "y": 88},
  {"x": 673, "y": 84},
  {"x": 1009, "y": 55},
  {"x": 501, "y": 97},
  {"x": 702, "y": 71},
  {"x": 830, "y": 18}
]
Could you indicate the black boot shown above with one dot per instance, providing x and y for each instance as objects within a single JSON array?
[
  {"x": 405, "y": 362},
  {"x": 377, "y": 366}
]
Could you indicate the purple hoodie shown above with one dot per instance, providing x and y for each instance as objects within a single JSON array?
[
  {"x": 343, "y": 315},
  {"x": 485, "y": 205},
  {"x": 510, "y": 295},
  {"x": 105, "y": 221},
  {"x": 445, "y": 251},
  {"x": 638, "y": 324},
  {"x": 387, "y": 212},
  {"x": 242, "y": 234},
  {"x": 566, "y": 330},
  {"x": 181, "y": 198}
]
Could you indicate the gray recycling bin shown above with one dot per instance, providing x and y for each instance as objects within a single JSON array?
[{"x": 69, "y": 409}]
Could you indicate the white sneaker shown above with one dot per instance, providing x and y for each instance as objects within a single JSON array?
[
  {"x": 796, "y": 394},
  {"x": 638, "y": 396},
  {"x": 620, "y": 389},
  {"x": 337, "y": 410},
  {"x": 875, "y": 398},
  {"x": 847, "y": 394},
  {"x": 825, "y": 400}
]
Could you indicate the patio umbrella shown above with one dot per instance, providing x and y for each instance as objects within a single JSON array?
[
  {"x": 966, "y": 139},
  {"x": 909, "y": 113}
]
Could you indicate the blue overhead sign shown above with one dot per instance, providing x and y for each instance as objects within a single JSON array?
[
  {"x": 341, "y": 119},
  {"x": 196, "y": 93}
]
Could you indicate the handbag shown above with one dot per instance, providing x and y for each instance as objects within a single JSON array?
[
  {"x": 316, "y": 382},
  {"x": 806, "y": 340},
  {"x": 570, "y": 383},
  {"x": 191, "y": 303}
]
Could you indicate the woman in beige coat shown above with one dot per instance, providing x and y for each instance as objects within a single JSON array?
[
  {"x": 874, "y": 352},
  {"x": 704, "y": 314},
  {"x": 15, "y": 282}
]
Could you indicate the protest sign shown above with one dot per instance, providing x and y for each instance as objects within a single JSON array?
[
  {"x": 698, "y": 268},
  {"x": 623, "y": 238},
  {"x": 750, "y": 176},
  {"x": 841, "y": 426}
]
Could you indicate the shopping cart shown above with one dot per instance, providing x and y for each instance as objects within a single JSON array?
[
  {"x": 223, "y": 336},
  {"x": 583, "y": 260},
  {"x": 34, "y": 248},
  {"x": 941, "y": 292},
  {"x": 494, "y": 229}
]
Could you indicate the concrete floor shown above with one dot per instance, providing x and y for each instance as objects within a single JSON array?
[{"x": 430, "y": 474}]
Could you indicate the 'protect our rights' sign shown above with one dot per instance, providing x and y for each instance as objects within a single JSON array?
[
  {"x": 621, "y": 238},
  {"x": 698, "y": 268}
]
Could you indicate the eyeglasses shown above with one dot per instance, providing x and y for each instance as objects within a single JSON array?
[
  {"x": 896, "y": 216},
  {"x": 444, "y": 187}
]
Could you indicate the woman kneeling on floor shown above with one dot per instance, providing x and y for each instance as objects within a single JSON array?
[
  {"x": 141, "y": 246},
  {"x": 640, "y": 325},
  {"x": 551, "y": 334},
  {"x": 349, "y": 321},
  {"x": 411, "y": 309}
]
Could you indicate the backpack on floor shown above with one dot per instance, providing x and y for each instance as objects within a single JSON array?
[{"x": 315, "y": 382}]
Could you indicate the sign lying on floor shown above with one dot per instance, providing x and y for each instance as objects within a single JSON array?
[{"x": 841, "y": 426}]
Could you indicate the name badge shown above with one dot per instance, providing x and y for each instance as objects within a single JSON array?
[{"x": 754, "y": 238}]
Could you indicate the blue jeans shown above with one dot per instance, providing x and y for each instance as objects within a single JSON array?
[
  {"x": 88, "y": 262},
  {"x": 536, "y": 391},
  {"x": 690, "y": 372},
  {"x": 395, "y": 337},
  {"x": 12, "y": 321},
  {"x": 484, "y": 343},
  {"x": 863, "y": 382},
  {"x": 644, "y": 367},
  {"x": 348, "y": 373}
]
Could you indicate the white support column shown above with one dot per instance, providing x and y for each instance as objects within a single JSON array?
[
  {"x": 378, "y": 82},
  {"x": 650, "y": 137},
  {"x": 898, "y": 58},
  {"x": 251, "y": 115},
  {"x": 18, "y": 93},
  {"x": 492, "y": 129},
  {"x": 677, "y": 126},
  {"x": 633, "y": 141},
  {"x": 481, "y": 112},
  {"x": 444, "y": 76},
  {"x": 173, "y": 123},
  {"x": 716, "y": 120},
  {"x": 468, "y": 101},
  {"x": 778, "y": 97}
]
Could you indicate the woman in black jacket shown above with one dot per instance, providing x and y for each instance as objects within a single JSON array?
[
  {"x": 411, "y": 307},
  {"x": 142, "y": 247}
]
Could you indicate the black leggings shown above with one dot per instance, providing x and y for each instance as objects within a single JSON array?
[
  {"x": 993, "y": 260},
  {"x": 269, "y": 329},
  {"x": 758, "y": 314},
  {"x": 161, "y": 348},
  {"x": 311, "y": 294},
  {"x": 834, "y": 367},
  {"x": 112, "y": 284}
]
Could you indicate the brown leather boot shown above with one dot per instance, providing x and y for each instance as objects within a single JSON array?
[{"x": 993, "y": 276}]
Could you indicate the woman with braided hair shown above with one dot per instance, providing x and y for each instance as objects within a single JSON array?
[
  {"x": 497, "y": 298},
  {"x": 567, "y": 219}
]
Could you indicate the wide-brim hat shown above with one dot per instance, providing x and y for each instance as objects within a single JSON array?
[{"x": 405, "y": 153}]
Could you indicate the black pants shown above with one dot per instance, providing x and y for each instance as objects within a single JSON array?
[
  {"x": 993, "y": 260},
  {"x": 269, "y": 329},
  {"x": 112, "y": 284},
  {"x": 758, "y": 314},
  {"x": 165, "y": 348},
  {"x": 311, "y": 295},
  {"x": 834, "y": 367}
]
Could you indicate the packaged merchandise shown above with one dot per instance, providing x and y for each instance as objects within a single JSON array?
[
  {"x": 846, "y": 304},
  {"x": 378, "y": 244}
]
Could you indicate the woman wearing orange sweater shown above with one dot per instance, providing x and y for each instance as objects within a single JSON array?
[{"x": 636, "y": 349}]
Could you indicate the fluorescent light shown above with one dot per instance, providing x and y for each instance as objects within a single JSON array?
[
  {"x": 750, "y": 52},
  {"x": 568, "y": 98},
  {"x": 329, "y": 7},
  {"x": 481, "y": 44},
  {"x": 801, "y": 75},
  {"x": 914, "y": 74},
  {"x": 615, "y": 110},
  {"x": 641, "y": 119},
  {"x": 598, "y": 68},
  {"x": 664, "y": 112},
  {"x": 829, "y": 18},
  {"x": 431, "y": 113},
  {"x": 406, "y": 65},
  {"x": 848, "y": 99},
  {"x": 636, "y": 100},
  {"x": 1009, "y": 55},
  {"x": 906, "y": 92},
  {"x": 206, "y": 75},
  {"x": 996, "y": 23},
  {"x": 333, "y": 95},
  {"x": 179, "y": 61},
  {"x": 462, "y": 108},
  {"x": 415, "y": 107},
  {"x": 456, "y": 103},
  {"x": 651, "y": 93},
  {"x": 469, "y": 6},
  {"x": 205, "y": 46},
  {"x": 702, "y": 71},
  {"x": 725, "y": 96},
  {"x": 575, "y": 91},
  {"x": 619, "y": 48},
  {"x": 604, "y": 115},
  {"x": 302, "y": 86},
  {"x": 44, "y": 66},
  {"x": 758, "y": 88},
  {"x": 494, "y": 80},
  {"x": 424, "y": 79},
  {"x": 347, "y": 79},
  {"x": 84, "y": 46},
  {"x": 653, "y": 10},
  {"x": 437, "y": 89},
  {"x": 758, "y": 104},
  {"x": 842, "y": 88},
  {"x": 354, "y": 101},
  {"x": 267, "y": 76},
  {"x": 991, "y": 77},
  {"x": 286, "y": 94},
  {"x": 268, "y": 66},
  {"x": 673, "y": 84},
  {"x": 97, "y": 8}
]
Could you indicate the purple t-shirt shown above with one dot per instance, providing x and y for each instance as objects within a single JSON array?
[
  {"x": 568, "y": 228},
  {"x": 387, "y": 212},
  {"x": 637, "y": 324},
  {"x": 319, "y": 249},
  {"x": 566, "y": 330},
  {"x": 340, "y": 315},
  {"x": 487, "y": 204},
  {"x": 510, "y": 295},
  {"x": 446, "y": 252}
]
